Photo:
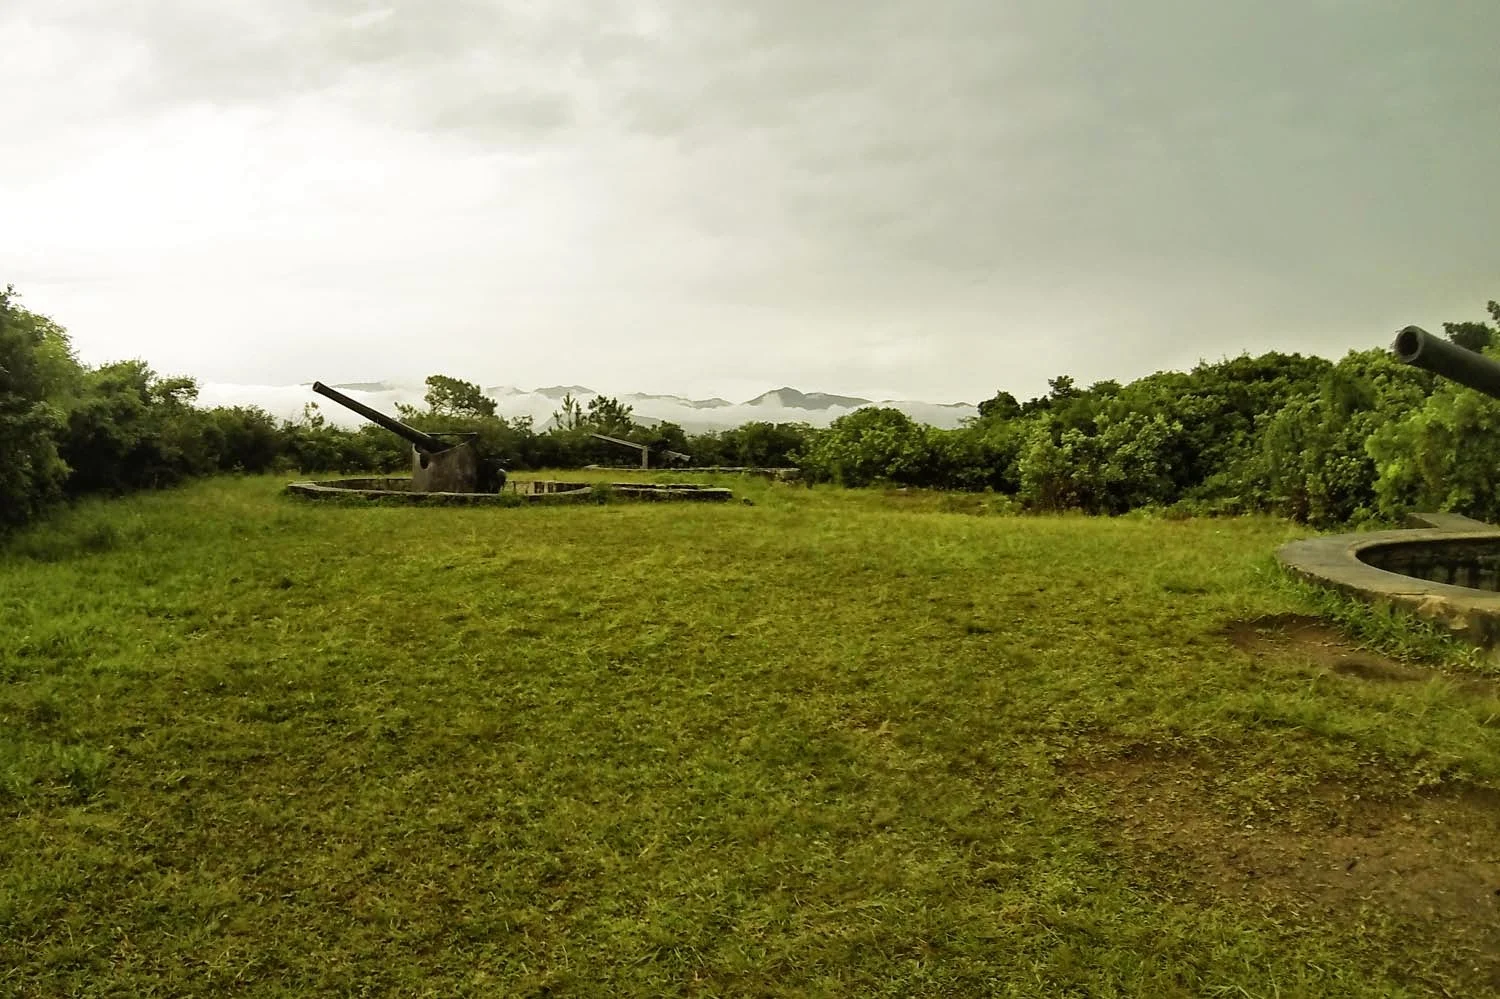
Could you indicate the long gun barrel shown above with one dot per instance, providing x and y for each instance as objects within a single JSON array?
[
  {"x": 422, "y": 442},
  {"x": 1416, "y": 346}
]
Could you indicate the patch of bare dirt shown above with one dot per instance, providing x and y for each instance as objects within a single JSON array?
[
  {"x": 1431, "y": 864},
  {"x": 1328, "y": 647}
]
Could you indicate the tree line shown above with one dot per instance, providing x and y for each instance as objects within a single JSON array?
[
  {"x": 68, "y": 429},
  {"x": 1363, "y": 438}
]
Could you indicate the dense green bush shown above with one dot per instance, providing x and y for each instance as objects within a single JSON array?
[
  {"x": 759, "y": 444},
  {"x": 129, "y": 429},
  {"x": 1441, "y": 452},
  {"x": 37, "y": 370},
  {"x": 873, "y": 444},
  {"x": 1115, "y": 465},
  {"x": 248, "y": 438},
  {"x": 1311, "y": 462}
]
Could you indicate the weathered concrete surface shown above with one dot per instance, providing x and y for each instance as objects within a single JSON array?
[
  {"x": 629, "y": 490},
  {"x": 393, "y": 489},
  {"x": 455, "y": 470},
  {"x": 1449, "y": 522},
  {"x": 531, "y": 491},
  {"x": 671, "y": 491},
  {"x": 1339, "y": 561},
  {"x": 776, "y": 474}
]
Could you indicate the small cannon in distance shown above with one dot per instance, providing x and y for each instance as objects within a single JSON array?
[
  {"x": 1419, "y": 348},
  {"x": 437, "y": 465},
  {"x": 645, "y": 450}
]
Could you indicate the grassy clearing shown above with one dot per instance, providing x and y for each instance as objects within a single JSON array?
[{"x": 832, "y": 743}]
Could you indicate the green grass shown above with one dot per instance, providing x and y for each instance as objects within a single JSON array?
[{"x": 831, "y": 743}]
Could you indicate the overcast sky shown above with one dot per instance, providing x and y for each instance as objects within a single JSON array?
[{"x": 892, "y": 199}]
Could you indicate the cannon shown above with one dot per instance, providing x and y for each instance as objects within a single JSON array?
[
  {"x": 645, "y": 450},
  {"x": 1420, "y": 348},
  {"x": 440, "y": 462}
]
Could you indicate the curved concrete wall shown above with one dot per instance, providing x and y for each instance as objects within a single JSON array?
[{"x": 1374, "y": 566}]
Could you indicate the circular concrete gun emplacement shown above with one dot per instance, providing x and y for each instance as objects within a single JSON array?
[
  {"x": 453, "y": 469},
  {"x": 514, "y": 493},
  {"x": 450, "y": 464},
  {"x": 1447, "y": 569}
]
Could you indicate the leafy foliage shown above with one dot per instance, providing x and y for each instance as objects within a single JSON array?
[
  {"x": 1441, "y": 454},
  {"x": 768, "y": 445},
  {"x": 871, "y": 445},
  {"x": 454, "y": 397},
  {"x": 1475, "y": 336},
  {"x": 607, "y": 415},
  {"x": 36, "y": 369}
]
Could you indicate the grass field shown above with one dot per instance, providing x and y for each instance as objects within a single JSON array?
[{"x": 832, "y": 743}]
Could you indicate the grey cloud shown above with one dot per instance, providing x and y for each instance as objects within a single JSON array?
[
  {"x": 488, "y": 69},
  {"x": 1126, "y": 184},
  {"x": 501, "y": 114},
  {"x": 1281, "y": 129}
]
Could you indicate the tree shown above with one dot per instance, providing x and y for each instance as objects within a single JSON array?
[
  {"x": 1062, "y": 387},
  {"x": 1470, "y": 336},
  {"x": 765, "y": 445},
  {"x": 667, "y": 436},
  {"x": 1002, "y": 406},
  {"x": 1047, "y": 468},
  {"x": 454, "y": 397},
  {"x": 1475, "y": 336},
  {"x": 1109, "y": 467},
  {"x": 570, "y": 417},
  {"x": 250, "y": 436},
  {"x": 607, "y": 415},
  {"x": 37, "y": 371},
  {"x": 1444, "y": 453},
  {"x": 873, "y": 444},
  {"x": 128, "y": 429},
  {"x": 1314, "y": 462}
]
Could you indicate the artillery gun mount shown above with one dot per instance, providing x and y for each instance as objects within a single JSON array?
[
  {"x": 1445, "y": 567},
  {"x": 449, "y": 468},
  {"x": 438, "y": 465}
]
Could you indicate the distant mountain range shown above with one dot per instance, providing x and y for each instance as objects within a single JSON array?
[
  {"x": 787, "y": 398},
  {"x": 583, "y": 394},
  {"x": 790, "y": 398},
  {"x": 781, "y": 405}
]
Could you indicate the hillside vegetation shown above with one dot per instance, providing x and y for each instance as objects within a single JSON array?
[{"x": 1320, "y": 442}]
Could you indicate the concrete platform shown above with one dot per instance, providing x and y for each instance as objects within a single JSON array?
[
  {"x": 518, "y": 493},
  {"x": 1433, "y": 560}
]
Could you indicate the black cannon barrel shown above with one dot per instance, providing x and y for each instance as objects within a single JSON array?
[
  {"x": 1415, "y": 345},
  {"x": 419, "y": 440}
]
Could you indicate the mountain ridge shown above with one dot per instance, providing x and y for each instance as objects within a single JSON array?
[
  {"x": 795, "y": 399},
  {"x": 785, "y": 396},
  {"x": 779, "y": 405}
]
